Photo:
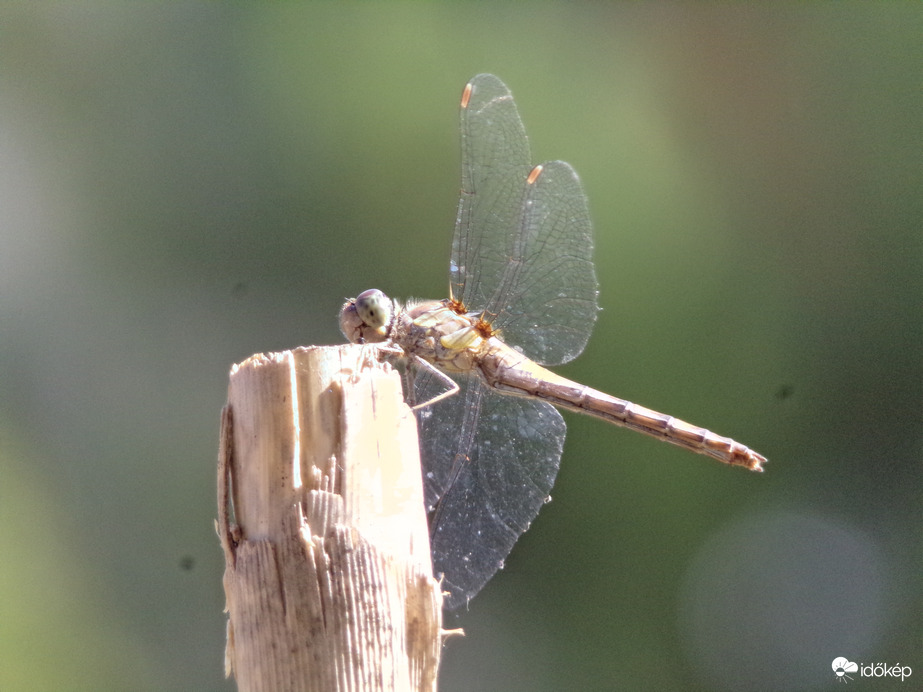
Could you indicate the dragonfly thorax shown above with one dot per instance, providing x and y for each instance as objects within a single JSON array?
[{"x": 436, "y": 332}]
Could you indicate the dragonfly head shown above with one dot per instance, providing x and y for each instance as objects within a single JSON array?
[{"x": 367, "y": 318}]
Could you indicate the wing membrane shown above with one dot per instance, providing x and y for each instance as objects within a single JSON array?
[
  {"x": 495, "y": 161},
  {"x": 521, "y": 250},
  {"x": 521, "y": 254},
  {"x": 486, "y": 481}
]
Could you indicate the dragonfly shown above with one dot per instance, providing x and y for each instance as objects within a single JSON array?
[{"x": 522, "y": 294}]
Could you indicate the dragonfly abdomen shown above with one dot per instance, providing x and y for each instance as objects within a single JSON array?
[{"x": 510, "y": 372}]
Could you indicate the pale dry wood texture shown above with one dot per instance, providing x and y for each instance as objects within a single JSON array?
[{"x": 328, "y": 577}]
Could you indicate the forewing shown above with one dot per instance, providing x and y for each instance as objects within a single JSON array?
[
  {"x": 522, "y": 250},
  {"x": 495, "y": 162}
]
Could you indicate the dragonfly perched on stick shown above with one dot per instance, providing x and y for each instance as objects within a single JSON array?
[{"x": 522, "y": 292}]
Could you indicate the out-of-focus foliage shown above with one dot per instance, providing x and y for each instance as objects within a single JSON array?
[{"x": 184, "y": 184}]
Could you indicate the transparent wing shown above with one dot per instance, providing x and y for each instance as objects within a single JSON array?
[
  {"x": 441, "y": 428},
  {"x": 521, "y": 253},
  {"x": 522, "y": 249},
  {"x": 546, "y": 300},
  {"x": 495, "y": 162},
  {"x": 489, "y": 464}
]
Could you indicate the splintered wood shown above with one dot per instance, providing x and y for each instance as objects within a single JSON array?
[{"x": 327, "y": 577}]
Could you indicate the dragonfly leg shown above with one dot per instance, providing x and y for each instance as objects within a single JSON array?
[{"x": 453, "y": 385}]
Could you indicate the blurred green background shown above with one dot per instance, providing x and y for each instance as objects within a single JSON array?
[{"x": 184, "y": 184}]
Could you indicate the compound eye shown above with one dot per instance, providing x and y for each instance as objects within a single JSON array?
[{"x": 374, "y": 308}]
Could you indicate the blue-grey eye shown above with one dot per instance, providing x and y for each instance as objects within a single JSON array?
[{"x": 374, "y": 308}]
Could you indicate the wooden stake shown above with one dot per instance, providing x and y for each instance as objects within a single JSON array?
[{"x": 328, "y": 576}]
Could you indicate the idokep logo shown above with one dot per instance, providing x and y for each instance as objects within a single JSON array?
[{"x": 843, "y": 666}]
